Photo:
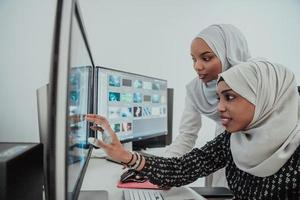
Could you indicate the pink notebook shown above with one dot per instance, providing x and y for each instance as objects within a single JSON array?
[{"x": 136, "y": 185}]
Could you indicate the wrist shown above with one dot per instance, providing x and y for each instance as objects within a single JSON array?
[{"x": 127, "y": 157}]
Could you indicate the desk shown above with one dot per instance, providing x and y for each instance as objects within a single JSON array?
[{"x": 104, "y": 175}]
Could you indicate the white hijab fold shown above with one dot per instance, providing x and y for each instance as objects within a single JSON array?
[
  {"x": 274, "y": 133},
  {"x": 230, "y": 46}
]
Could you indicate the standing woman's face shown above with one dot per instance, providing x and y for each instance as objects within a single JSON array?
[{"x": 205, "y": 62}]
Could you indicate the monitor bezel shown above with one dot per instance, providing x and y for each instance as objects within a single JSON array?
[
  {"x": 131, "y": 73},
  {"x": 134, "y": 74},
  {"x": 66, "y": 12}
]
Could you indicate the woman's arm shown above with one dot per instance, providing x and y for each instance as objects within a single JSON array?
[
  {"x": 169, "y": 172},
  {"x": 190, "y": 125}
]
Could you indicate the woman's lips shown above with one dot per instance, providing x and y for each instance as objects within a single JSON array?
[
  {"x": 202, "y": 76},
  {"x": 225, "y": 121}
]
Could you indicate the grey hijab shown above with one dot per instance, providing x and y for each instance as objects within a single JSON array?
[
  {"x": 274, "y": 133},
  {"x": 230, "y": 46}
]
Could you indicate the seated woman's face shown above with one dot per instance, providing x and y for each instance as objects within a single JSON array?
[
  {"x": 206, "y": 64},
  {"x": 236, "y": 112}
]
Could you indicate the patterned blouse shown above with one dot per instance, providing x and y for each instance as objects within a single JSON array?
[{"x": 169, "y": 172}]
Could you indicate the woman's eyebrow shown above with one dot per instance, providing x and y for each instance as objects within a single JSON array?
[
  {"x": 206, "y": 52},
  {"x": 202, "y": 54},
  {"x": 226, "y": 91}
]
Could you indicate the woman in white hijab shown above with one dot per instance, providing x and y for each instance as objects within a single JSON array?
[
  {"x": 214, "y": 50},
  {"x": 260, "y": 110}
]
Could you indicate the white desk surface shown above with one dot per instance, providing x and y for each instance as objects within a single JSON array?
[{"x": 104, "y": 175}]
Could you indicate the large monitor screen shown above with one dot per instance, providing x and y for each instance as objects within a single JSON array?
[
  {"x": 135, "y": 105},
  {"x": 78, "y": 131},
  {"x": 80, "y": 99},
  {"x": 70, "y": 75}
]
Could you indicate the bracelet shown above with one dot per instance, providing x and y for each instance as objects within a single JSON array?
[
  {"x": 142, "y": 158},
  {"x": 138, "y": 161},
  {"x": 129, "y": 160}
]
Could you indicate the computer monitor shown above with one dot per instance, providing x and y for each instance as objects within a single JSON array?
[
  {"x": 70, "y": 98},
  {"x": 134, "y": 104},
  {"x": 42, "y": 94},
  {"x": 163, "y": 140}
]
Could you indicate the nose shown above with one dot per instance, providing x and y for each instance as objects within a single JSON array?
[
  {"x": 221, "y": 106},
  {"x": 199, "y": 66}
]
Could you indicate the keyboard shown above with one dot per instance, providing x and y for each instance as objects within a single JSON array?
[{"x": 142, "y": 195}]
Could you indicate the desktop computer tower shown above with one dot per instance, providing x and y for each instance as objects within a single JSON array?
[
  {"x": 21, "y": 171},
  {"x": 163, "y": 140}
]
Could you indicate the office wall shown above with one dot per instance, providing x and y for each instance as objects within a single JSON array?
[
  {"x": 142, "y": 36},
  {"x": 26, "y": 29}
]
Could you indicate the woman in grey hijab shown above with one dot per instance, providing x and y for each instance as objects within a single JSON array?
[{"x": 214, "y": 50}]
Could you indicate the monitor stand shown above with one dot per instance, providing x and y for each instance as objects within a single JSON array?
[{"x": 93, "y": 195}]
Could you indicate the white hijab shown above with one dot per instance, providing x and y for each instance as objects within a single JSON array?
[
  {"x": 274, "y": 134},
  {"x": 230, "y": 46}
]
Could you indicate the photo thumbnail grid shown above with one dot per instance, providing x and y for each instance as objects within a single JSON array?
[
  {"x": 146, "y": 100},
  {"x": 135, "y": 97},
  {"x": 116, "y": 80},
  {"x": 131, "y": 101}
]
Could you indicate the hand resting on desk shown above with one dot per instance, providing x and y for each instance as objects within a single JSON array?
[{"x": 132, "y": 175}]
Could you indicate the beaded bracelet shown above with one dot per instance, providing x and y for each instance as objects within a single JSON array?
[{"x": 138, "y": 161}]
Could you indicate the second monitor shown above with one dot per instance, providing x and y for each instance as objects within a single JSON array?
[{"x": 135, "y": 105}]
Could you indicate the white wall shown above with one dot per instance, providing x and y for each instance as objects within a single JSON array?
[
  {"x": 25, "y": 47},
  {"x": 142, "y": 36}
]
